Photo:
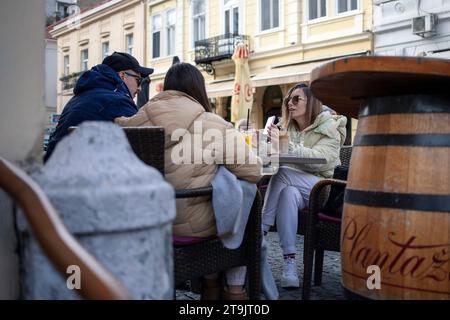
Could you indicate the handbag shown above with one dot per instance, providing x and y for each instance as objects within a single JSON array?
[{"x": 335, "y": 203}]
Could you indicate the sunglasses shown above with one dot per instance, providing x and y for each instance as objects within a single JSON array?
[
  {"x": 138, "y": 78},
  {"x": 295, "y": 99}
]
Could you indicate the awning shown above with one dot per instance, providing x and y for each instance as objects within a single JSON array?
[
  {"x": 273, "y": 76},
  {"x": 220, "y": 89},
  {"x": 277, "y": 75},
  {"x": 284, "y": 75}
]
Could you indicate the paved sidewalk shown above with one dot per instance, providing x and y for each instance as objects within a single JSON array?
[{"x": 331, "y": 287}]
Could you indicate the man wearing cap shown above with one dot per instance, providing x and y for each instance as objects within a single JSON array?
[{"x": 102, "y": 94}]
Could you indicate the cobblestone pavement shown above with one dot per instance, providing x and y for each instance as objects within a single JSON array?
[{"x": 329, "y": 290}]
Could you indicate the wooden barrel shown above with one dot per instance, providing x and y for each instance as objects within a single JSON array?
[
  {"x": 397, "y": 201},
  {"x": 395, "y": 235}
]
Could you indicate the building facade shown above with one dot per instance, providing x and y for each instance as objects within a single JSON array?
[
  {"x": 51, "y": 75},
  {"x": 84, "y": 40},
  {"x": 286, "y": 38},
  {"x": 412, "y": 28}
]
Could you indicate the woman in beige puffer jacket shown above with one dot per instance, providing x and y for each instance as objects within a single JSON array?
[
  {"x": 186, "y": 115},
  {"x": 192, "y": 159}
]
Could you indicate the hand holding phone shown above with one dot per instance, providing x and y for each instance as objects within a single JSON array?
[{"x": 269, "y": 122}]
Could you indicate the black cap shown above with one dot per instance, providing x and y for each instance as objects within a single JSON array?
[{"x": 120, "y": 61}]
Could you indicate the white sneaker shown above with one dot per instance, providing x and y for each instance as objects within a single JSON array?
[
  {"x": 265, "y": 229},
  {"x": 289, "y": 277}
]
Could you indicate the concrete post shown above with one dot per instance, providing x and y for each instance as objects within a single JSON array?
[
  {"x": 22, "y": 113},
  {"x": 120, "y": 210}
]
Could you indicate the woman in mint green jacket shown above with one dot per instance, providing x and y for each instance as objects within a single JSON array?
[{"x": 313, "y": 133}]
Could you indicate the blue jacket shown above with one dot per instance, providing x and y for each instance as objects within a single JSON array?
[{"x": 100, "y": 95}]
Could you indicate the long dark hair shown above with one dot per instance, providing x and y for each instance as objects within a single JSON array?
[
  {"x": 313, "y": 105},
  {"x": 186, "y": 78}
]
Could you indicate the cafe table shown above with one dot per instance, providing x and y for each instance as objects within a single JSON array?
[{"x": 272, "y": 163}]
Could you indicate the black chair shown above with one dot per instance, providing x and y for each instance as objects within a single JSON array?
[
  {"x": 322, "y": 231},
  {"x": 210, "y": 256}
]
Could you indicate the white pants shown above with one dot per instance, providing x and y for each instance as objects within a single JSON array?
[
  {"x": 234, "y": 276},
  {"x": 288, "y": 192}
]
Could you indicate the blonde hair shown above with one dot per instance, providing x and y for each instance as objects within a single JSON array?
[{"x": 313, "y": 106}]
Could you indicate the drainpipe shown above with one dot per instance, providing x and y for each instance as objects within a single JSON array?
[{"x": 144, "y": 8}]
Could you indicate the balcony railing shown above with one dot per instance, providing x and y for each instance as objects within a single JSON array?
[
  {"x": 217, "y": 48},
  {"x": 69, "y": 81}
]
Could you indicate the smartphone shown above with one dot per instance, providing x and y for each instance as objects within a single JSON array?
[{"x": 270, "y": 121}]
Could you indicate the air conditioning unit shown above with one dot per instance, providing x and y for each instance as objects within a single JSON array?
[{"x": 424, "y": 26}]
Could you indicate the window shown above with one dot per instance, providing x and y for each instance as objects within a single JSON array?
[
  {"x": 164, "y": 33},
  {"x": 62, "y": 9},
  {"x": 156, "y": 36},
  {"x": 170, "y": 31},
  {"x": 84, "y": 58},
  {"x": 347, "y": 5},
  {"x": 231, "y": 15},
  {"x": 317, "y": 9},
  {"x": 198, "y": 17},
  {"x": 105, "y": 49},
  {"x": 66, "y": 65},
  {"x": 129, "y": 43},
  {"x": 270, "y": 14}
]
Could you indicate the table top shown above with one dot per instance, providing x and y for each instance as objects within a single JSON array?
[
  {"x": 285, "y": 158},
  {"x": 293, "y": 159},
  {"x": 345, "y": 84}
]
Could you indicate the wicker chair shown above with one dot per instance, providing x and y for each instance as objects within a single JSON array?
[
  {"x": 322, "y": 231},
  {"x": 148, "y": 144},
  {"x": 210, "y": 256}
]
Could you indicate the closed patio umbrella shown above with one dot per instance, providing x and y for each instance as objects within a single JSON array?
[{"x": 242, "y": 98}]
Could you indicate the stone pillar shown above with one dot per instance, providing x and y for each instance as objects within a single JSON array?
[
  {"x": 120, "y": 210},
  {"x": 22, "y": 113},
  {"x": 220, "y": 107}
]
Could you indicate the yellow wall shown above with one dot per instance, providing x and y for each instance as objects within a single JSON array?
[
  {"x": 271, "y": 42},
  {"x": 251, "y": 17},
  {"x": 337, "y": 50},
  {"x": 329, "y": 37},
  {"x": 341, "y": 24},
  {"x": 296, "y": 40},
  {"x": 214, "y": 18}
]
